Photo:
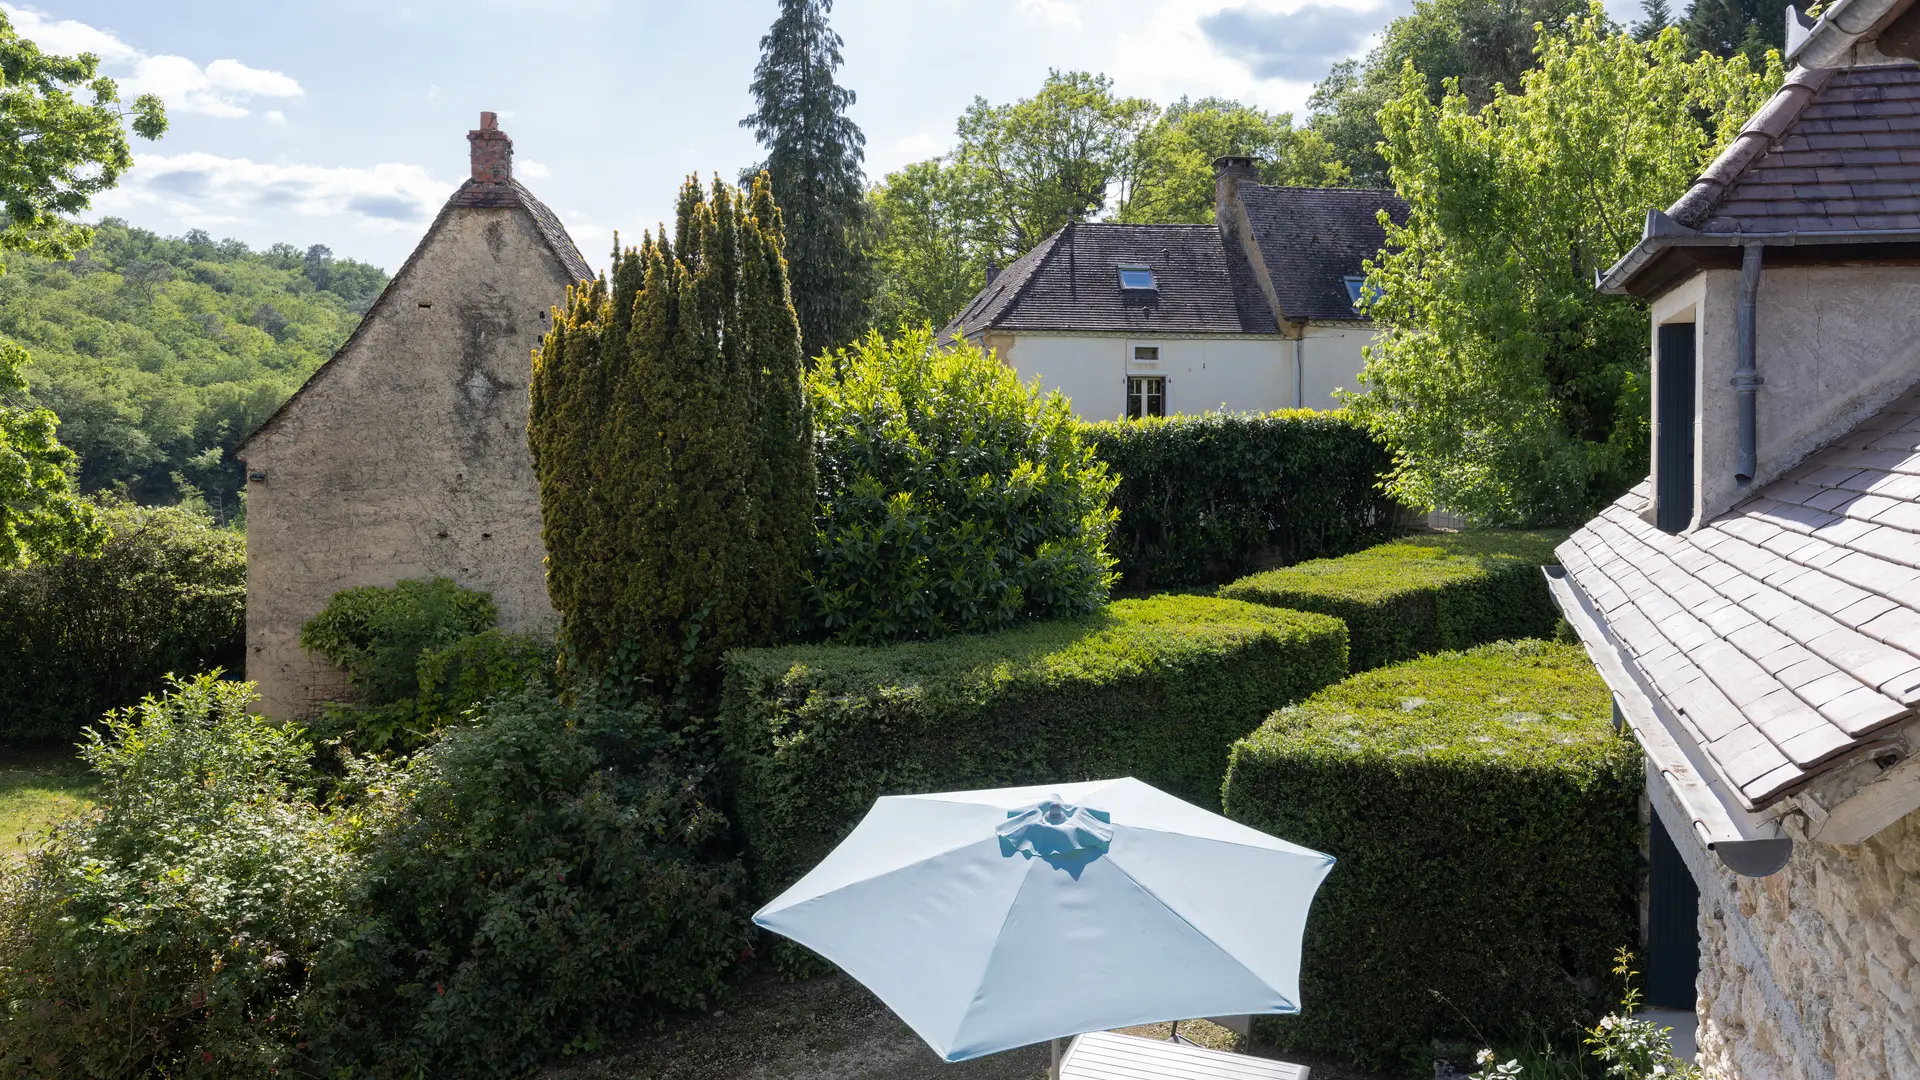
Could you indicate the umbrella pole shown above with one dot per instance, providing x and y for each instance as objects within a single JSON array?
[{"x": 1054, "y": 1072}]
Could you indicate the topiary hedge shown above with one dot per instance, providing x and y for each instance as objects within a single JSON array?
[
  {"x": 1485, "y": 815},
  {"x": 1156, "y": 688},
  {"x": 1422, "y": 594},
  {"x": 1203, "y": 499}
]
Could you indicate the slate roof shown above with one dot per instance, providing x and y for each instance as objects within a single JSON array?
[
  {"x": 1833, "y": 151},
  {"x": 1785, "y": 634},
  {"x": 1071, "y": 282},
  {"x": 1312, "y": 239}
]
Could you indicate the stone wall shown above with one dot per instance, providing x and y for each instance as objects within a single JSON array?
[
  {"x": 406, "y": 455},
  {"x": 1811, "y": 973}
]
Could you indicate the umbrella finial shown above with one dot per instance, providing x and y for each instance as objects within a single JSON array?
[{"x": 1056, "y": 831}]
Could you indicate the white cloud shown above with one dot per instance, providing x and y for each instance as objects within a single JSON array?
[
  {"x": 206, "y": 190},
  {"x": 1169, "y": 52},
  {"x": 274, "y": 116},
  {"x": 531, "y": 169},
  {"x": 222, "y": 88},
  {"x": 1054, "y": 12}
]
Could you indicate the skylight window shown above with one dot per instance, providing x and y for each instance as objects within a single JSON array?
[
  {"x": 1136, "y": 276},
  {"x": 1357, "y": 291}
]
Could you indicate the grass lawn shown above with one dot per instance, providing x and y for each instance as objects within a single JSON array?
[
  {"x": 37, "y": 787},
  {"x": 831, "y": 1029}
]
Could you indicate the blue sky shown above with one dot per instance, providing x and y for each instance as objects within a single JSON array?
[{"x": 344, "y": 123}]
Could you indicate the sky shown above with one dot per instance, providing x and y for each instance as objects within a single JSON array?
[{"x": 345, "y": 123}]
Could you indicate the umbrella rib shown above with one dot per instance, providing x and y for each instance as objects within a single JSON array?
[{"x": 1204, "y": 936}]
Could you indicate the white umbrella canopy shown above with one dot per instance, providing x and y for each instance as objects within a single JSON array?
[{"x": 993, "y": 919}]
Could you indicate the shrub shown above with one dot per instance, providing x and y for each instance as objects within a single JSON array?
[
  {"x": 1422, "y": 594},
  {"x": 378, "y": 633},
  {"x": 537, "y": 882},
  {"x": 1204, "y": 499},
  {"x": 673, "y": 450},
  {"x": 169, "y": 932},
  {"x": 1485, "y": 815},
  {"x": 1157, "y": 689},
  {"x": 952, "y": 497},
  {"x": 84, "y": 633},
  {"x": 474, "y": 670}
]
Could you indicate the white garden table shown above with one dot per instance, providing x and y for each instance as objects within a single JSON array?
[{"x": 1104, "y": 1055}]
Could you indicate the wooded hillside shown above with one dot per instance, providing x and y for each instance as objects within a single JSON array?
[{"x": 159, "y": 354}]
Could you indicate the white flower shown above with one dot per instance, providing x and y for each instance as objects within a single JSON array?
[
  {"x": 1607, "y": 1022},
  {"x": 1659, "y": 1070},
  {"x": 1483, "y": 1057}
]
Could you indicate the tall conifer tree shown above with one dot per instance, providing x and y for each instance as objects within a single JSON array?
[
  {"x": 814, "y": 154},
  {"x": 673, "y": 448}
]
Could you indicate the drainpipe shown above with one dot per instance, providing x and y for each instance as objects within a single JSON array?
[
  {"x": 1746, "y": 376},
  {"x": 1299, "y": 365}
]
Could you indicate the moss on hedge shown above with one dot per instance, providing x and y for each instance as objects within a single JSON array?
[
  {"x": 1156, "y": 688},
  {"x": 1422, "y": 594},
  {"x": 1484, "y": 813}
]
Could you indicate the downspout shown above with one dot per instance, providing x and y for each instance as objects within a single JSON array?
[
  {"x": 1299, "y": 365},
  {"x": 1746, "y": 376}
]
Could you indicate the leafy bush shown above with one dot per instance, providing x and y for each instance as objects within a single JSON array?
[
  {"x": 84, "y": 633},
  {"x": 1207, "y": 498},
  {"x": 1157, "y": 689},
  {"x": 951, "y": 496},
  {"x": 477, "y": 669},
  {"x": 378, "y": 633},
  {"x": 536, "y": 883},
  {"x": 169, "y": 932},
  {"x": 1485, "y": 815},
  {"x": 1422, "y": 594}
]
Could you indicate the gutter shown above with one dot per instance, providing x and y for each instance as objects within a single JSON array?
[
  {"x": 1299, "y": 365},
  {"x": 1746, "y": 375},
  {"x": 1746, "y": 843},
  {"x": 1662, "y": 232},
  {"x": 1829, "y": 42}
]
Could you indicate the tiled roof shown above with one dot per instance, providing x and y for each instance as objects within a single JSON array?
[
  {"x": 1312, "y": 239},
  {"x": 1833, "y": 151},
  {"x": 1071, "y": 282},
  {"x": 1785, "y": 634}
]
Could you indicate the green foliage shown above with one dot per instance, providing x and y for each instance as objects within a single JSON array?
[
  {"x": 931, "y": 244},
  {"x": 170, "y": 931},
  {"x": 1633, "y": 1048},
  {"x": 536, "y": 883},
  {"x": 1511, "y": 390},
  {"x": 1729, "y": 28},
  {"x": 61, "y": 149},
  {"x": 40, "y": 516},
  {"x": 952, "y": 497},
  {"x": 378, "y": 633},
  {"x": 1422, "y": 594},
  {"x": 85, "y": 632},
  {"x": 1485, "y": 815},
  {"x": 1173, "y": 177},
  {"x": 1206, "y": 498},
  {"x": 477, "y": 669},
  {"x": 673, "y": 448},
  {"x": 814, "y": 152},
  {"x": 160, "y": 354},
  {"x": 1156, "y": 688}
]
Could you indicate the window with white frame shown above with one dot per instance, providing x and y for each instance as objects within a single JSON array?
[
  {"x": 1146, "y": 354},
  {"x": 1136, "y": 276},
  {"x": 1146, "y": 396}
]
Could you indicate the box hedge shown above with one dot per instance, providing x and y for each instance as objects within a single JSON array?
[
  {"x": 1484, "y": 813},
  {"x": 1204, "y": 499},
  {"x": 1422, "y": 594},
  {"x": 1156, "y": 688}
]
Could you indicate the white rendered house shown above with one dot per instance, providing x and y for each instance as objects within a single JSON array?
[{"x": 1251, "y": 313}]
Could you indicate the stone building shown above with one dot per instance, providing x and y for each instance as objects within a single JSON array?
[
  {"x": 1253, "y": 312},
  {"x": 405, "y": 455},
  {"x": 1755, "y": 606}
]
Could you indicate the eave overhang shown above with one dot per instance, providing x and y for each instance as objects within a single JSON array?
[{"x": 1669, "y": 252}]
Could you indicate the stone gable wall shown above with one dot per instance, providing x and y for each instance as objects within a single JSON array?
[
  {"x": 406, "y": 456},
  {"x": 1810, "y": 973}
]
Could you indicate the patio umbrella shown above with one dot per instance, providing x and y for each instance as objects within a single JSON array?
[{"x": 993, "y": 919}]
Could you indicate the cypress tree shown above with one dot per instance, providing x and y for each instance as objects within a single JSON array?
[
  {"x": 1655, "y": 16},
  {"x": 814, "y": 154},
  {"x": 674, "y": 450}
]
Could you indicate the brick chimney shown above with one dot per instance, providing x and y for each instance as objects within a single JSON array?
[
  {"x": 1228, "y": 172},
  {"x": 492, "y": 151}
]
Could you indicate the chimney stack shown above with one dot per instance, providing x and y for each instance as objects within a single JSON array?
[
  {"x": 492, "y": 151},
  {"x": 993, "y": 271},
  {"x": 1228, "y": 172}
]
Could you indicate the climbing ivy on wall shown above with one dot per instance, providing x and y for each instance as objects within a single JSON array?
[{"x": 673, "y": 448}]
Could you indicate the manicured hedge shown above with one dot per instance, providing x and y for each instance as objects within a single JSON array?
[
  {"x": 1204, "y": 499},
  {"x": 1484, "y": 813},
  {"x": 1423, "y": 593},
  {"x": 1157, "y": 688}
]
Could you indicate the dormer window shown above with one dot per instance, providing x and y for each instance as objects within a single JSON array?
[
  {"x": 1137, "y": 276},
  {"x": 1357, "y": 290}
]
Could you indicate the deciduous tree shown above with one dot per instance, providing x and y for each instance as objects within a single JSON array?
[
  {"x": 1173, "y": 174},
  {"x": 1510, "y": 389}
]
